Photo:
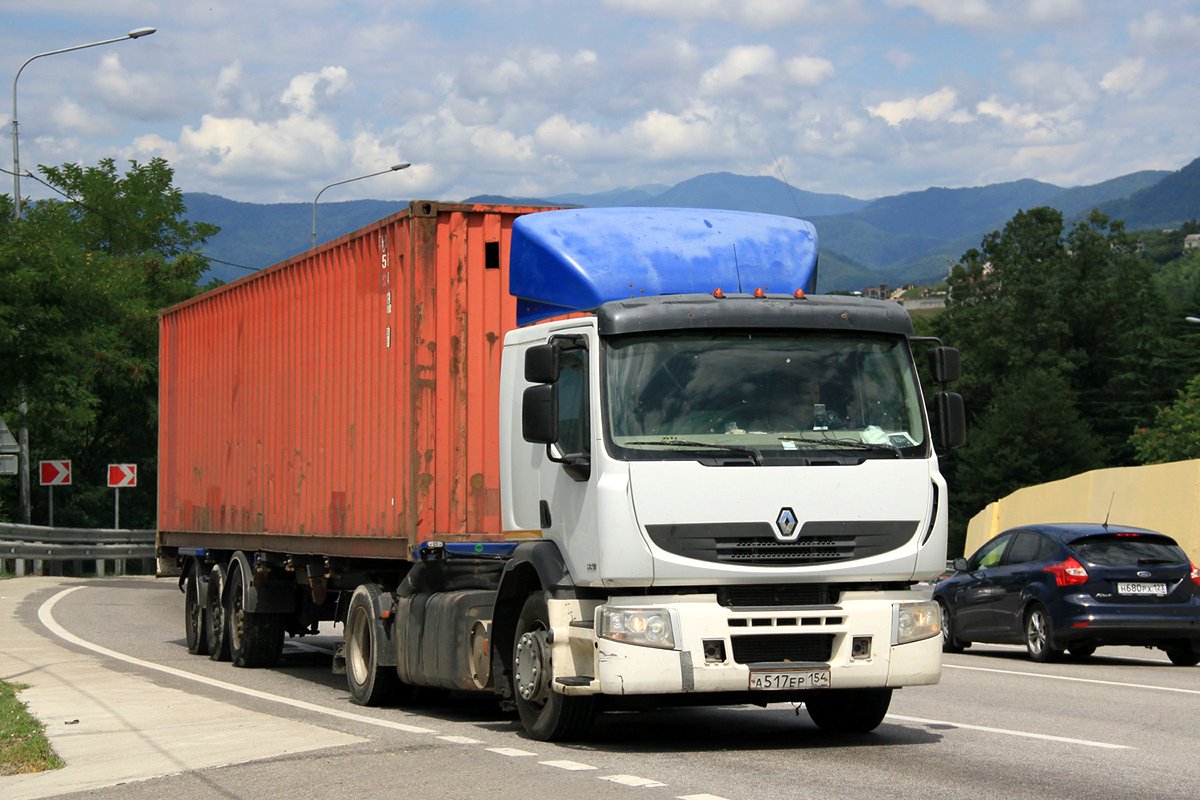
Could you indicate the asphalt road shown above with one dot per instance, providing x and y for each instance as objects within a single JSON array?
[{"x": 1121, "y": 724}]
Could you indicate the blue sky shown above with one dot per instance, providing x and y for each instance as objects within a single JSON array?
[{"x": 269, "y": 102}]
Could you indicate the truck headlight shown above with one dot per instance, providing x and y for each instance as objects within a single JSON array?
[
  {"x": 912, "y": 622},
  {"x": 649, "y": 627}
]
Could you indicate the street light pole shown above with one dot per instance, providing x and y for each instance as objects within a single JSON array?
[
  {"x": 136, "y": 33},
  {"x": 395, "y": 168}
]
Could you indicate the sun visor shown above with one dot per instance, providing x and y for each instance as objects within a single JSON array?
[{"x": 574, "y": 260}]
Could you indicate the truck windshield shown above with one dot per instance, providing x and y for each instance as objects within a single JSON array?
[{"x": 761, "y": 398}]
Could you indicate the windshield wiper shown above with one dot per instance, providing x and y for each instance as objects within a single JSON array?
[
  {"x": 851, "y": 444},
  {"x": 754, "y": 453}
]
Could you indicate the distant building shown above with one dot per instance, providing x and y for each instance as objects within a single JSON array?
[{"x": 1192, "y": 240}]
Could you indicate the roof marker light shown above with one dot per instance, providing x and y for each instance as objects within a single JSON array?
[
  {"x": 799, "y": 295},
  {"x": 759, "y": 292},
  {"x": 717, "y": 293}
]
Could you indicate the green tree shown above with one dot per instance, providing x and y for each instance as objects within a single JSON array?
[
  {"x": 1078, "y": 313},
  {"x": 84, "y": 281},
  {"x": 1175, "y": 433}
]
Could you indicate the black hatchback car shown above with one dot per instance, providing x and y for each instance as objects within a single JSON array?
[{"x": 1074, "y": 587}]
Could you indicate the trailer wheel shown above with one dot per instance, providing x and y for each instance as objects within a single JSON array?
[
  {"x": 195, "y": 615},
  {"x": 216, "y": 631},
  {"x": 255, "y": 640},
  {"x": 546, "y": 715},
  {"x": 371, "y": 684},
  {"x": 841, "y": 711}
]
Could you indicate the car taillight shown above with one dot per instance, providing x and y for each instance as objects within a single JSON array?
[
  {"x": 1195, "y": 574},
  {"x": 1069, "y": 572}
]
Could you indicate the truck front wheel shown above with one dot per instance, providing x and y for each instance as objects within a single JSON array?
[
  {"x": 546, "y": 715},
  {"x": 370, "y": 683},
  {"x": 841, "y": 711}
]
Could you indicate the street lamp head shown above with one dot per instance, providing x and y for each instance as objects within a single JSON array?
[
  {"x": 138, "y": 33},
  {"x": 399, "y": 167}
]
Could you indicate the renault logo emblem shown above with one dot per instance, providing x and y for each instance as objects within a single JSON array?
[{"x": 787, "y": 526}]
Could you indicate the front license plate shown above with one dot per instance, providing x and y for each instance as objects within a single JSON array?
[
  {"x": 791, "y": 679},
  {"x": 1142, "y": 588}
]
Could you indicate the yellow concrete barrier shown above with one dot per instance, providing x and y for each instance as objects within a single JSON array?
[{"x": 1162, "y": 497}]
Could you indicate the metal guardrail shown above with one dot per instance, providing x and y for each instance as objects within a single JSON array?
[{"x": 21, "y": 543}]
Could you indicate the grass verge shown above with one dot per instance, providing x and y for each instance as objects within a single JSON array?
[{"x": 23, "y": 744}]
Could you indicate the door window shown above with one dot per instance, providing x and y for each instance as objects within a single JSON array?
[
  {"x": 573, "y": 408},
  {"x": 991, "y": 553}
]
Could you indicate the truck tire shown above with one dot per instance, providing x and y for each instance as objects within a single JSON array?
[
  {"x": 546, "y": 715},
  {"x": 843, "y": 711},
  {"x": 370, "y": 683},
  {"x": 216, "y": 631},
  {"x": 255, "y": 640},
  {"x": 195, "y": 613}
]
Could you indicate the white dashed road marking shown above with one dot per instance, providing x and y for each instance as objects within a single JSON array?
[
  {"x": 574, "y": 766},
  {"x": 631, "y": 780}
]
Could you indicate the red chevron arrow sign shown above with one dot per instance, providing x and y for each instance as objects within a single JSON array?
[
  {"x": 56, "y": 473},
  {"x": 121, "y": 476}
]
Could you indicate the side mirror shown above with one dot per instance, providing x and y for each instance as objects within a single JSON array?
[
  {"x": 950, "y": 421},
  {"x": 946, "y": 364},
  {"x": 960, "y": 564},
  {"x": 542, "y": 363},
  {"x": 539, "y": 414}
]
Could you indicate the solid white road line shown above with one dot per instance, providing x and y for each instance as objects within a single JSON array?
[
  {"x": 46, "y": 615},
  {"x": 1006, "y": 732},
  {"x": 1076, "y": 680}
]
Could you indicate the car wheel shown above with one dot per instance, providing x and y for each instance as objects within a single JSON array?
[
  {"x": 1081, "y": 650},
  {"x": 1039, "y": 633},
  {"x": 950, "y": 642},
  {"x": 1184, "y": 654}
]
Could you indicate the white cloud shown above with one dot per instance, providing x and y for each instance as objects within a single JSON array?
[
  {"x": 1047, "y": 12},
  {"x": 1125, "y": 77},
  {"x": 301, "y": 92},
  {"x": 809, "y": 70},
  {"x": 1050, "y": 83},
  {"x": 141, "y": 95},
  {"x": 969, "y": 13},
  {"x": 1132, "y": 77},
  {"x": 754, "y": 14},
  {"x": 1033, "y": 127},
  {"x": 1155, "y": 30},
  {"x": 739, "y": 64},
  {"x": 70, "y": 117},
  {"x": 940, "y": 105}
]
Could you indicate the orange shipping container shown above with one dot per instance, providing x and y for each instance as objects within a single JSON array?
[{"x": 343, "y": 402}]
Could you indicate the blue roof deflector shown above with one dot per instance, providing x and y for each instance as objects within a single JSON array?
[{"x": 576, "y": 259}]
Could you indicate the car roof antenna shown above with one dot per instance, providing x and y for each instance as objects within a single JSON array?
[{"x": 1109, "y": 512}]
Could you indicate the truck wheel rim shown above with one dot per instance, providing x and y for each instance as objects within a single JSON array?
[
  {"x": 530, "y": 667},
  {"x": 359, "y": 642}
]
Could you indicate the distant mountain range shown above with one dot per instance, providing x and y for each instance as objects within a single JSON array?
[{"x": 907, "y": 238}]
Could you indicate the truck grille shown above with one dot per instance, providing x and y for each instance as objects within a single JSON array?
[
  {"x": 753, "y": 648},
  {"x": 770, "y": 595},
  {"x": 754, "y": 544}
]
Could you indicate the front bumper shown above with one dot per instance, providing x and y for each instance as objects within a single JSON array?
[{"x": 717, "y": 647}]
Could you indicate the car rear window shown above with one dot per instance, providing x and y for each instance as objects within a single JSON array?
[{"x": 1135, "y": 550}]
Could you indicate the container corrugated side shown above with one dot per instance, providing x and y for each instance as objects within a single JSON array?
[{"x": 343, "y": 402}]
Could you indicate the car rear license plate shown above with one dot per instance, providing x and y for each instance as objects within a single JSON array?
[
  {"x": 1142, "y": 588},
  {"x": 790, "y": 679}
]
